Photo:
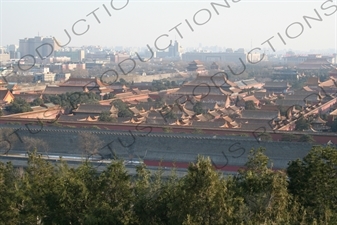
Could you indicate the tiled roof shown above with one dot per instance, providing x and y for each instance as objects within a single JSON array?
[
  {"x": 306, "y": 88},
  {"x": 250, "y": 82},
  {"x": 283, "y": 84},
  {"x": 214, "y": 98},
  {"x": 312, "y": 81},
  {"x": 72, "y": 117},
  {"x": 309, "y": 96},
  {"x": 329, "y": 83},
  {"x": 3, "y": 94},
  {"x": 259, "y": 114},
  {"x": 287, "y": 103},
  {"x": 81, "y": 82},
  {"x": 92, "y": 108},
  {"x": 198, "y": 90},
  {"x": 318, "y": 120},
  {"x": 334, "y": 113},
  {"x": 52, "y": 90},
  {"x": 207, "y": 124},
  {"x": 250, "y": 98},
  {"x": 257, "y": 128}
]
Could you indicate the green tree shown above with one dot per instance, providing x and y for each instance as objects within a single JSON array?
[
  {"x": 37, "y": 102},
  {"x": 288, "y": 137},
  {"x": 306, "y": 138},
  {"x": 105, "y": 116},
  {"x": 159, "y": 102},
  {"x": 149, "y": 100},
  {"x": 73, "y": 195},
  {"x": 205, "y": 197},
  {"x": 35, "y": 190},
  {"x": 313, "y": 181},
  {"x": 250, "y": 105},
  {"x": 302, "y": 124},
  {"x": 197, "y": 108},
  {"x": 113, "y": 200},
  {"x": 9, "y": 213},
  {"x": 167, "y": 129},
  {"x": 265, "y": 194},
  {"x": 123, "y": 81},
  {"x": 265, "y": 136},
  {"x": 19, "y": 105},
  {"x": 72, "y": 99},
  {"x": 123, "y": 110},
  {"x": 334, "y": 126}
]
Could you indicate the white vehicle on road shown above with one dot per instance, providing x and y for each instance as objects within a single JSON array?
[{"x": 133, "y": 162}]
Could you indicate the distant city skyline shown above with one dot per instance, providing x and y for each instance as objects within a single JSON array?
[{"x": 239, "y": 24}]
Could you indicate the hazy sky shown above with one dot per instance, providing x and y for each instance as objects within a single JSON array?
[{"x": 245, "y": 23}]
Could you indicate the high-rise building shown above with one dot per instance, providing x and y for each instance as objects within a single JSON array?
[
  {"x": 13, "y": 51},
  {"x": 175, "y": 50},
  {"x": 37, "y": 46}
]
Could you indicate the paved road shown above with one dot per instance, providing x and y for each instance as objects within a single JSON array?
[{"x": 20, "y": 160}]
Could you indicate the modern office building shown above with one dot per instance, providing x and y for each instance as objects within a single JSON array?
[{"x": 41, "y": 47}]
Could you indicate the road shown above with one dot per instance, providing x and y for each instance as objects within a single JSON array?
[{"x": 19, "y": 159}]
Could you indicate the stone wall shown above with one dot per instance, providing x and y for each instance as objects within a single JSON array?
[{"x": 168, "y": 147}]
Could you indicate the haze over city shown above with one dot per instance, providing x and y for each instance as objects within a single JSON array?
[{"x": 244, "y": 24}]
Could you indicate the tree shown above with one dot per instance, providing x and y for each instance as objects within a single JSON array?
[
  {"x": 37, "y": 144},
  {"x": 250, "y": 105},
  {"x": 302, "y": 124},
  {"x": 288, "y": 137},
  {"x": 37, "y": 102},
  {"x": 105, "y": 116},
  {"x": 123, "y": 110},
  {"x": 19, "y": 105},
  {"x": 265, "y": 136},
  {"x": 89, "y": 143},
  {"x": 36, "y": 188},
  {"x": 8, "y": 194},
  {"x": 71, "y": 100},
  {"x": 8, "y": 139},
  {"x": 313, "y": 181},
  {"x": 197, "y": 108},
  {"x": 205, "y": 197},
  {"x": 109, "y": 96},
  {"x": 114, "y": 200},
  {"x": 334, "y": 126},
  {"x": 306, "y": 138},
  {"x": 159, "y": 102},
  {"x": 73, "y": 195},
  {"x": 265, "y": 194}
]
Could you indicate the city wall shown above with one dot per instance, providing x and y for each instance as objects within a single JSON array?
[{"x": 169, "y": 147}]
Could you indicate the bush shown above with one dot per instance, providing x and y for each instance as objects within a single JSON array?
[
  {"x": 167, "y": 129},
  {"x": 198, "y": 131},
  {"x": 288, "y": 137},
  {"x": 306, "y": 138}
]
